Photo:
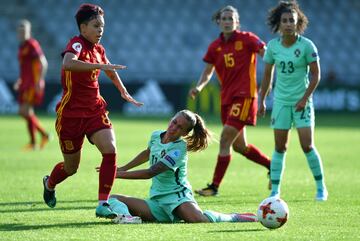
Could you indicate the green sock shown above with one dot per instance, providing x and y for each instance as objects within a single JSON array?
[
  {"x": 277, "y": 167},
  {"x": 316, "y": 167},
  {"x": 118, "y": 206},
  {"x": 215, "y": 217}
]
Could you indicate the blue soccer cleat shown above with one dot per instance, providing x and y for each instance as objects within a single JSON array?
[
  {"x": 104, "y": 211},
  {"x": 321, "y": 195}
]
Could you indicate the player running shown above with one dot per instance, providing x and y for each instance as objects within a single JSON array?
[
  {"x": 233, "y": 57},
  {"x": 82, "y": 111}
]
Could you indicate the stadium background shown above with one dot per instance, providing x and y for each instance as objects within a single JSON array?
[{"x": 163, "y": 41}]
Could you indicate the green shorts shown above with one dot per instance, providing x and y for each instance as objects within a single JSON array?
[
  {"x": 284, "y": 116},
  {"x": 162, "y": 207}
]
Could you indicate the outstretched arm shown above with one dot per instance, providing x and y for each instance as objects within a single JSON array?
[
  {"x": 141, "y": 158},
  {"x": 115, "y": 78},
  {"x": 154, "y": 170},
  {"x": 203, "y": 81},
  {"x": 72, "y": 63}
]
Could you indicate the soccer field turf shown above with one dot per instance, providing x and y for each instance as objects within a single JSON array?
[{"x": 24, "y": 216}]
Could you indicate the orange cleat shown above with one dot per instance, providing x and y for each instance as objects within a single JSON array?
[
  {"x": 29, "y": 147},
  {"x": 44, "y": 140}
]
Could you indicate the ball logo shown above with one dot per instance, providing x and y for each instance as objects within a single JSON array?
[{"x": 77, "y": 47}]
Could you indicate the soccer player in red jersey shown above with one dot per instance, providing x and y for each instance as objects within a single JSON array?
[
  {"x": 31, "y": 83},
  {"x": 233, "y": 56},
  {"x": 82, "y": 111}
]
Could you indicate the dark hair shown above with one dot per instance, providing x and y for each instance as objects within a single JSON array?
[
  {"x": 217, "y": 15},
  {"x": 275, "y": 13},
  {"x": 200, "y": 136},
  {"x": 87, "y": 12}
]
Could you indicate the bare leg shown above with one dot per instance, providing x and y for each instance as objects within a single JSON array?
[{"x": 137, "y": 207}]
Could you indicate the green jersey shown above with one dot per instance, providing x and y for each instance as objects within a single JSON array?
[
  {"x": 292, "y": 68},
  {"x": 173, "y": 155}
]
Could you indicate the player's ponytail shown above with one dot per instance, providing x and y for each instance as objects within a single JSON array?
[{"x": 200, "y": 136}]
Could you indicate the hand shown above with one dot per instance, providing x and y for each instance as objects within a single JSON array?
[
  {"x": 112, "y": 66},
  {"x": 193, "y": 93},
  {"x": 262, "y": 109},
  {"x": 125, "y": 95},
  {"x": 17, "y": 84},
  {"x": 300, "y": 105}
]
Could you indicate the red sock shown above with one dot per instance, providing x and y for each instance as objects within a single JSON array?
[
  {"x": 254, "y": 154},
  {"x": 220, "y": 169},
  {"x": 57, "y": 175},
  {"x": 37, "y": 125},
  {"x": 107, "y": 175},
  {"x": 31, "y": 128}
]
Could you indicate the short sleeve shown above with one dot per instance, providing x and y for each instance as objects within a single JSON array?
[
  {"x": 311, "y": 53},
  {"x": 255, "y": 43},
  {"x": 209, "y": 57},
  {"x": 36, "y": 50},
  {"x": 174, "y": 158},
  {"x": 268, "y": 56},
  {"x": 74, "y": 46}
]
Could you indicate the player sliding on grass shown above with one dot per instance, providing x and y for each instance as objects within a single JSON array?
[
  {"x": 293, "y": 56},
  {"x": 82, "y": 111},
  {"x": 233, "y": 57},
  {"x": 171, "y": 198}
]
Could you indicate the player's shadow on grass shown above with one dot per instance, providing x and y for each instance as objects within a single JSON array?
[
  {"x": 41, "y": 202},
  {"x": 10, "y": 227},
  {"x": 41, "y": 206},
  {"x": 238, "y": 230}
]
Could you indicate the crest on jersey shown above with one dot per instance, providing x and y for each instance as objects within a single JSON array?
[
  {"x": 297, "y": 53},
  {"x": 238, "y": 45},
  {"x": 77, "y": 47}
]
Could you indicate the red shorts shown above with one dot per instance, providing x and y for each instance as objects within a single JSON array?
[
  {"x": 242, "y": 111},
  {"x": 30, "y": 96},
  {"x": 72, "y": 131}
]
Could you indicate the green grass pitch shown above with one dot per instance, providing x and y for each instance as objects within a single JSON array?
[{"x": 24, "y": 216}]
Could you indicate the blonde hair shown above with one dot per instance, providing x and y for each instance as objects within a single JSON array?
[{"x": 200, "y": 136}]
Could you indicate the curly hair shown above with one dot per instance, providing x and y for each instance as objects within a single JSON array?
[
  {"x": 290, "y": 6},
  {"x": 200, "y": 136}
]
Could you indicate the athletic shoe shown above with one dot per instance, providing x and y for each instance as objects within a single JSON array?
[
  {"x": 269, "y": 184},
  {"x": 29, "y": 147},
  {"x": 275, "y": 194},
  {"x": 321, "y": 195},
  {"x": 49, "y": 196},
  {"x": 126, "y": 219},
  {"x": 104, "y": 211},
  {"x": 44, "y": 140},
  {"x": 210, "y": 190},
  {"x": 244, "y": 217}
]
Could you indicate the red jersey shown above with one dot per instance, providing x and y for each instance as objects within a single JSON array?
[
  {"x": 81, "y": 96},
  {"x": 235, "y": 64},
  {"x": 30, "y": 68}
]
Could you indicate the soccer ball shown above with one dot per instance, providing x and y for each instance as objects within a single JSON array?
[{"x": 273, "y": 212}]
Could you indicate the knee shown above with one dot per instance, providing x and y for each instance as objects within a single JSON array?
[
  {"x": 109, "y": 148},
  {"x": 70, "y": 170},
  {"x": 239, "y": 149}
]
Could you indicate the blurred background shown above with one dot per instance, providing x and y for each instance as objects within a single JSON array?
[{"x": 163, "y": 41}]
